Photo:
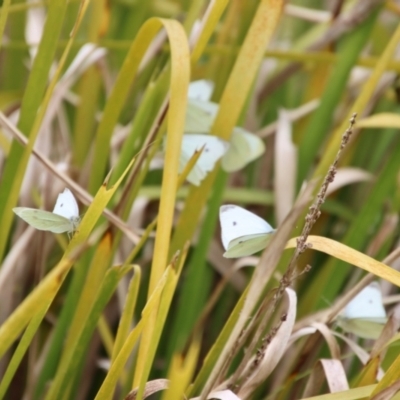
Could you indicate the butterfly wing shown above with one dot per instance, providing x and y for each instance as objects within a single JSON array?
[
  {"x": 242, "y": 232},
  {"x": 201, "y": 90},
  {"x": 44, "y": 220},
  {"x": 244, "y": 148},
  {"x": 213, "y": 149},
  {"x": 364, "y": 315},
  {"x": 247, "y": 245},
  {"x": 367, "y": 328},
  {"x": 66, "y": 205},
  {"x": 196, "y": 174},
  {"x": 367, "y": 304},
  {"x": 200, "y": 116}
]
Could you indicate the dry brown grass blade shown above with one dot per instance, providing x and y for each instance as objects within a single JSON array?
[
  {"x": 390, "y": 329},
  {"x": 359, "y": 352},
  {"x": 151, "y": 387},
  {"x": 388, "y": 393},
  {"x": 285, "y": 167},
  {"x": 221, "y": 394},
  {"x": 332, "y": 372},
  {"x": 269, "y": 354},
  {"x": 329, "y": 339}
]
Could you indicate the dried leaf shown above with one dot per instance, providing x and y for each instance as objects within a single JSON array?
[
  {"x": 285, "y": 167},
  {"x": 358, "y": 351},
  {"x": 275, "y": 349},
  {"x": 329, "y": 338},
  {"x": 151, "y": 387},
  {"x": 221, "y": 394},
  {"x": 328, "y": 370},
  {"x": 388, "y": 393}
]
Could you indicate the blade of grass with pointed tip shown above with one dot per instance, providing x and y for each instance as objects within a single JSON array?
[
  {"x": 127, "y": 313},
  {"x": 151, "y": 343},
  {"x": 20, "y": 351},
  {"x": 391, "y": 376},
  {"x": 77, "y": 345},
  {"x": 181, "y": 371},
  {"x": 114, "y": 373},
  {"x": 56, "y": 344},
  {"x": 77, "y": 305}
]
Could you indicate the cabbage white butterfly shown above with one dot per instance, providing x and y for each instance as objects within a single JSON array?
[
  {"x": 243, "y": 233},
  {"x": 214, "y": 149},
  {"x": 200, "y": 116},
  {"x": 244, "y": 147},
  {"x": 201, "y": 89},
  {"x": 364, "y": 315},
  {"x": 64, "y": 218}
]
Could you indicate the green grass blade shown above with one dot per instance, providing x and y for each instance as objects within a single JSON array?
[
  {"x": 21, "y": 349},
  {"x": 78, "y": 341}
]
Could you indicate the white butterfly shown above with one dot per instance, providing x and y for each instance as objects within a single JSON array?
[
  {"x": 243, "y": 233},
  {"x": 200, "y": 116},
  {"x": 244, "y": 147},
  {"x": 364, "y": 315},
  {"x": 64, "y": 218},
  {"x": 201, "y": 89},
  {"x": 214, "y": 149}
]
